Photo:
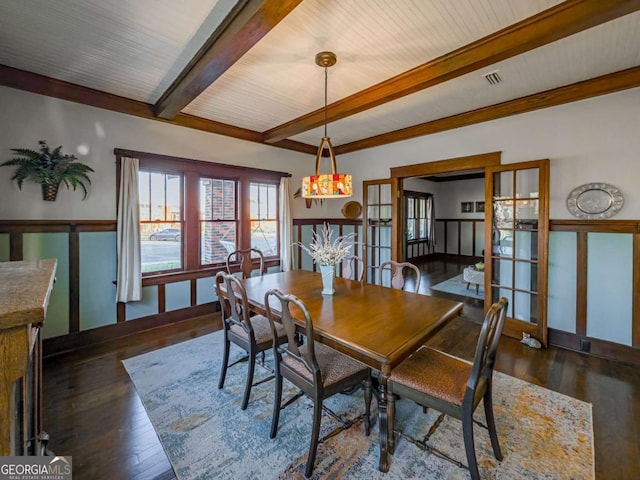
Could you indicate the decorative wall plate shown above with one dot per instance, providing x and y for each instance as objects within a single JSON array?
[
  {"x": 593, "y": 201},
  {"x": 352, "y": 210}
]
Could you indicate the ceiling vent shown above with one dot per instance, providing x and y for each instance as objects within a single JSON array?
[{"x": 493, "y": 77}]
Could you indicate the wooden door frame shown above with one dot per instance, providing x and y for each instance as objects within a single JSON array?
[
  {"x": 515, "y": 328},
  {"x": 458, "y": 164}
]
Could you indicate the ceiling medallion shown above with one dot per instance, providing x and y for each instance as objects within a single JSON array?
[{"x": 595, "y": 201}]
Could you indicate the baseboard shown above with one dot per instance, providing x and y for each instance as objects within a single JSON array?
[
  {"x": 594, "y": 346},
  {"x": 73, "y": 341}
]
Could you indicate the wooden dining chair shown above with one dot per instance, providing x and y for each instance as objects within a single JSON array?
[
  {"x": 453, "y": 386},
  {"x": 244, "y": 259},
  {"x": 319, "y": 371},
  {"x": 252, "y": 333},
  {"x": 397, "y": 273},
  {"x": 353, "y": 268}
]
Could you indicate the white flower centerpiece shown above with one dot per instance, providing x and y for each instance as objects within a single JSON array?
[{"x": 327, "y": 253}]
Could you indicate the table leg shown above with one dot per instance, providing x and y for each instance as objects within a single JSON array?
[{"x": 383, "y": 465}]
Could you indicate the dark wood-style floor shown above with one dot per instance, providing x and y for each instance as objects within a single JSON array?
[{"x": 93, "y": 412}]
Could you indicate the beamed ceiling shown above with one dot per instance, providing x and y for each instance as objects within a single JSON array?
[{"x": 246, "y": 68}]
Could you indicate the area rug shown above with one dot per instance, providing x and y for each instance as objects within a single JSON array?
[
  {"x": 458, "y": 286},
  {"x": 543, "y": 434}
]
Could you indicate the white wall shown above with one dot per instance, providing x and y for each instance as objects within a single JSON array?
[
  {"x": 594, "y": 140},
  {"x": 92, "y": 134},
  {"x": 449, "y": 195}
]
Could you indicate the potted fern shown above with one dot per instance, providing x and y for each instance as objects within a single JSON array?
[{"x": 49, "y": 168}]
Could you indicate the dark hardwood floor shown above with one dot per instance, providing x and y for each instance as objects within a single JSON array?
[{"x": 93, "y": 412}]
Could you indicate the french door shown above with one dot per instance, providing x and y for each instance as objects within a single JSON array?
[
  {"x": 380, "y": 227},
  {"x": 516, "y": 242}
]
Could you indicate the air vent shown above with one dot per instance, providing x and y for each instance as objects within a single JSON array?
[{"x": 493, "y": 77}]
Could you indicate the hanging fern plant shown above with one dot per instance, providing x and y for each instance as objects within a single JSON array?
[{"x": 49, "y": 168}]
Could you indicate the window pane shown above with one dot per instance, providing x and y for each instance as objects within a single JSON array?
[
  {"x": 161, "y": 246},
  {"x": 217, "y": 240},
  {"x": 264, "y": 225},
  {"x": 217, "y": 199},
  {"x": 503, "y": 185},
  {"x": 423, "y": 228},
  {"x": 160, "y": 200},
  {"x": 143, "y": 195},
  {"x": 264, "y": 236}
]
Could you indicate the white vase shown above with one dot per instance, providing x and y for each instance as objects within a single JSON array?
[{"x": 328, "y": 272}]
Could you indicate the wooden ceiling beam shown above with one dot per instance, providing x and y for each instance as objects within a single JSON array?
[
  {"x": 51, "y": 87},
  {"x": 613, "y": 82},
  {"x": 563, "y": 20},
  {"x": 242, "y": 29}
]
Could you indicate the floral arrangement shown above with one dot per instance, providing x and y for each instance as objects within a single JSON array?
[{"x": 328, "y": 252}]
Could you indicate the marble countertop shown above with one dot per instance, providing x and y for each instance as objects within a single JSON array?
[{"x": 25, "y": 288}]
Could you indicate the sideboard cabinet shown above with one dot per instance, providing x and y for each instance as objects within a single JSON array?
[{"x": 25, "y": 288}]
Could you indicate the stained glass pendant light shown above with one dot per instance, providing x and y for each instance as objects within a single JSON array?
[{"x": 327, "y": 185}]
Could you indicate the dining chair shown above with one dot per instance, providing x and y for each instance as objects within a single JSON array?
[
  {"x": 244, "y": 259},
  {"x": 397, "y": 273},
  {"x": 353, "y": 268},
  {"x": 319, "y": 371},
  {"x": 252, "y": 333},
  {"x": 453, "y": 386}
]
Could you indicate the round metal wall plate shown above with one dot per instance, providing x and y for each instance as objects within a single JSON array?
[{"x": 593, "y": 201}]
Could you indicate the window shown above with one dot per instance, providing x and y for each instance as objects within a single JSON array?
[
  {"x": 160, "y": 196},
  {"x": 419, "y": 208},
  {"x": 193, "y": 213},
  {"x": 218, "y": 219},
  {"x": 264, "y": 220}
]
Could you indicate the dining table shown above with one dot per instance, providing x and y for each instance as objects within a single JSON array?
[{"x": 378, "y": 326}]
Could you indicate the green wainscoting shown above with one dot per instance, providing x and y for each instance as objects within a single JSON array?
[
  {"x": 5, "y": 255},
  {"x": 148, "y": 305},
  {"x": 609, "y": 286},
  {"x": 52, "y": 245},
  {"x": 177, "y": 295},
  {"x": 97, "y": 273},
  {"x": 561, "y": 310},
  {"x": 206, "y": 290}
]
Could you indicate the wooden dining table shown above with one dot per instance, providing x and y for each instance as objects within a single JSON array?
[{"x": 379, "y": 326}]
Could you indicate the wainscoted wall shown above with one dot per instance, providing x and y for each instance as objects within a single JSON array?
[
  {"x": 458, "y": 236},
  {"x": 83, "y": 310},
  {"x": 594, "y": 287}
]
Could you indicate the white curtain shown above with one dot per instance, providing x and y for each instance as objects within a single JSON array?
[
  {"x": 129, "y": 285},
  {"x": 286, "y": 225}
]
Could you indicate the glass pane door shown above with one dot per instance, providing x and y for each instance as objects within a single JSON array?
[
  {"x": 379, "y": 225},
  {"x": 518, "y": 235}
]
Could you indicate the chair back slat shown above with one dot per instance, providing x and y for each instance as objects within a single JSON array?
[
  {"x": 244, "y": 259},
  {"x": 353, "y": 268},
  {"x": 286, "y": 318},
  {"x": 487, "y": 346},
  {"x": 397, "y": 273},
  {"x": 235, "y": 306}
]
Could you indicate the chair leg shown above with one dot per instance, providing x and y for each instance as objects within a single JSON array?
[
  {"x": 247, "y": 388},
  {"x": 276, "y": 403},
  {"x": 391, "y": 419},
  {"x": 491, "y": 424},
  {"x": 367, "y": 406},
  {"x": 225, "y": 362},
  {"x": 469, "y": 447},
  {"x": 315, "y": 434}
]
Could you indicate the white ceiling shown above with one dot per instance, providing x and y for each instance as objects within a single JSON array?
[{"x": 136, "y": 49}]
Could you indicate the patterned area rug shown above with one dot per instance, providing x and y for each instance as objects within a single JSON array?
[
  {"x": 543, "y": 434},
  {"x": 458, "y": 286}
]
